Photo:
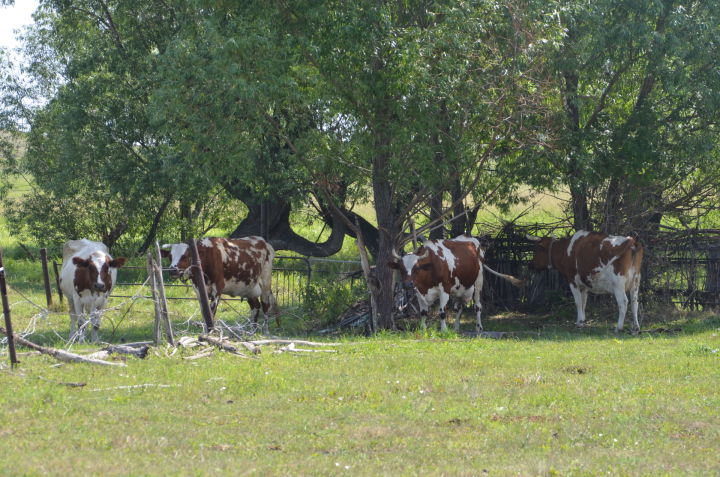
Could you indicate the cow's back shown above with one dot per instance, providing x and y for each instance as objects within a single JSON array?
[
  {"x": 237, "y": 266},
  {"x": 73, "y": 248}
]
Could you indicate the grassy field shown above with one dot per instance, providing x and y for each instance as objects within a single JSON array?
[{"x": 561, "y": 403}]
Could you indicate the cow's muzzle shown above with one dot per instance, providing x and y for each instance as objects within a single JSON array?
[
  {"x": 100, "y": 287},
  {"x": 174, "y": 273},
  {"x": 408, "y": 285}
]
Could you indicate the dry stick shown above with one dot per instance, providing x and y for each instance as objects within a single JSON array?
[
  {"x": 157, "y": 337},
  {"x": 61, "y": 355},
  {"x": 222, "y": 345},
  {"x": 6, "y": 313},
  {"x": 57, "y": 280},
  {"x": 297, "y": 342},
  {"x": 163, "y": 298},
  {"x": 370, "y": 279},
  {"x": 199, "y": 281},
  {"x": 46, "y": 276}
]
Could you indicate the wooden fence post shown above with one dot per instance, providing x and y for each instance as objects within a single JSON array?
[
  {"x": 157, "y": 336},
  {"x": 46, "y": 276},
  {"x": 199, "y": 281},
  {"x": 163, "y": 298},
  {"x": 6, "y": 313},
  {"x": 57, "y": 280}
]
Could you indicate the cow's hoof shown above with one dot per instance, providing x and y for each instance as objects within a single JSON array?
[
  {"x": 618, "y": 331},
  {"x": 580, "y": 324},
  {"x": 635, "y": 331}
]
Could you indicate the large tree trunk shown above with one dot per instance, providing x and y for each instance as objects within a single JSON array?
[
  {"x": 386, "y": 212},
  {"x": 281, "y": 235}
]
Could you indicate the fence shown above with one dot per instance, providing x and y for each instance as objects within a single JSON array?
[{"x": 679, "y": 268}]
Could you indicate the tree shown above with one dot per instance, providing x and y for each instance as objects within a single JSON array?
[{"x": 639, "y": 87}]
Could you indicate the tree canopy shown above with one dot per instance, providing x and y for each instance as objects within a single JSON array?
[{"x": 174, "y": 117}]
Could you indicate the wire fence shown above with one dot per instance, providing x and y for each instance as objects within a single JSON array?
[{"x": 131, "y": 304}]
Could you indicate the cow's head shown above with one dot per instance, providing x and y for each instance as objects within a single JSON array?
[
  {"x": 98, "y": 266},
  {"x": 412, "y": 267},
  {"x": 179, "y": 255},
  {"x": 541, "y": 252}
]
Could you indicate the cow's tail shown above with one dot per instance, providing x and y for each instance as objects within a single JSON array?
[{"x": 515, "y": 281}]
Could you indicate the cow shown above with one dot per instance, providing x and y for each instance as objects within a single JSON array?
[
  {"x": 440, "y": 269},
  {"x": 240, "y": 267},
  {"x": 87, "y": 276},
  {"x": 596, "y": 263}
]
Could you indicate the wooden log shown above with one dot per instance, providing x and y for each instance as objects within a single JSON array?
[
  {"x": 160, "y": 283},
  {"x": 157, "y": 336},
  {"x": 46, "y": 276},
  {"x": 199, "y": 280},
  {"x": 120, "y": 349},
  {"x": 61, "y": 355},
  {"x": 222, "y": 344},
  {"x": 296, "y": 342},
  {"x": 6, "y": 313}
]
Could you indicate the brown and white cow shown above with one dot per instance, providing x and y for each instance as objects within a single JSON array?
[
  {"x": 596, "y": 263},
  {"x": 239, "y": 267},
  {"x": 440, "y": 269},
  {"x": 87, "y": 276}
]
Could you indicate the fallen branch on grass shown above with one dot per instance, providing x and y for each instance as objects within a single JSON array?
[
  {"x": 59, "y": 354},
  {"x": 222, "y": 344},
  {"x": 294, "y": 342},
  {"x": 292, "y": 349},
  {"x": 140, "y": 352}
]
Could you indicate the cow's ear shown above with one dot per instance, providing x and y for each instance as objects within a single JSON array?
[
  {"x": 424, "y": 266},
  {"x": 394, "y": 265},
  {"x": 117, "y": 262},
  {"x": 80, "y": 262},
  {"x": 164, "y": 254}
]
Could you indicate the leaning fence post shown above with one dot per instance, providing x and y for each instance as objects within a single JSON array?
[
  {"x": 199, "y": 281},
  {"x": 57, "y": 280},
  {"x": 157, "y": 337},
  {"x": 6, "y": 313},
  {"x": 163, "y": 299},
  {"x": 46, "y": 276}
]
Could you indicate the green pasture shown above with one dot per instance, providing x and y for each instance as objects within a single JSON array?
[{"x": 561, "y": 402}]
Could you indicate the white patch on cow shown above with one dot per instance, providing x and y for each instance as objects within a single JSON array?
[
  {"x": 409, "y": 261},
  {"x": 442, "y": 252},
  {"x": 206, "y": 242},
  {"x": 224, "y": 256},
  {"x": 98, "y": 260},
  {"x": 177, "y": 250},
  {"x": 579, "y": 234},
  {"x": 616, "y": 240}
]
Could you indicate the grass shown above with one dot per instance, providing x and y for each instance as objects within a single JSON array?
[{"x": 570, "y": 403}]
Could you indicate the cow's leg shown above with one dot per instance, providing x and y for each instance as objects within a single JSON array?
[
  {"x": 444, "y": 298},
  {"x": 95, "y": 316},
  {"x": 622, "y": 301},
  {"x": 478, "y": 306},
  {"x": 580, "y": 297},
  {"x": 634, "y": 301},
  {"x": 255, "y": 306},
  {"x": 424, "y": 307},
  {"x": 73, "y": 318},
  {"x": 459, "y": 304},
  {"x": 214, "y": 299}
]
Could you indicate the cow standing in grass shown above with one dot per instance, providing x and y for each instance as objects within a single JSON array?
[
  {"x": 596, "y": 263},
  {"x": 87, "y": 276},
  {"x": 440, "y": 269},
  {"x": 239, "y": 267}
]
